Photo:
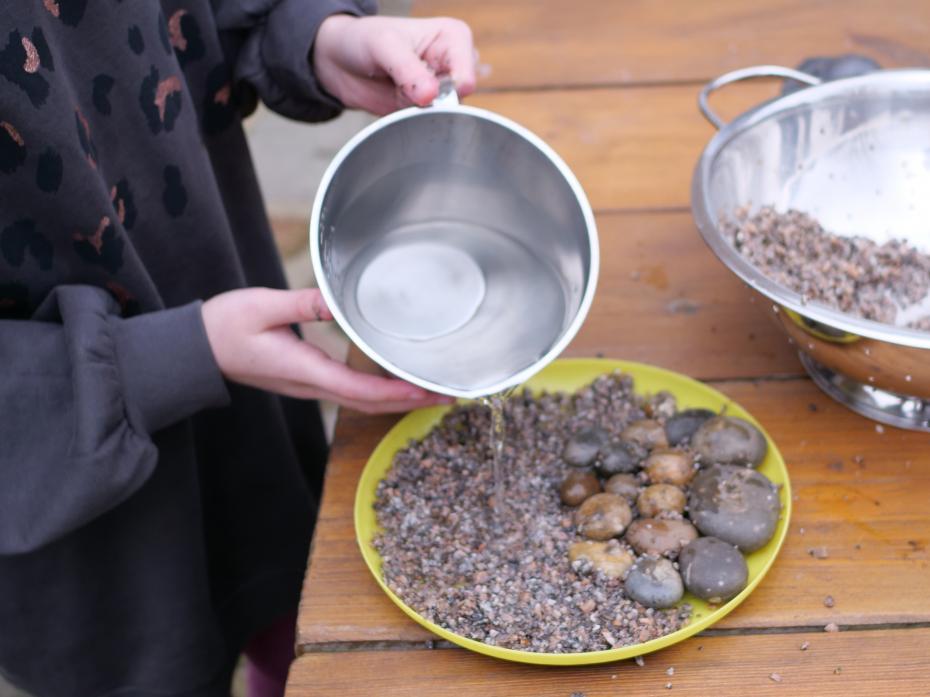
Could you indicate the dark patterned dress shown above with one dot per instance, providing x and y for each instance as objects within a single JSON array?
[{"x": 152, "y": 517}]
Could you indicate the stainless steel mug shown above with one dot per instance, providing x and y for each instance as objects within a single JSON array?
[{"x": 454, "y": 247}]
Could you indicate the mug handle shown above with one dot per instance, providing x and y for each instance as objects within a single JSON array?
[
  {"x": 447, "y": 95},
  {"x": 746, "y": 74}
]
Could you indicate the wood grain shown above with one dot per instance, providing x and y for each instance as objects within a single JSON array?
[
  {"x": 664, "y": 298},
  {"x": 544, "y": 43},
  {"x": 845, "y": 664},
  {"x": 860, "y": 495},
  {"x": 631, "y": 148}
]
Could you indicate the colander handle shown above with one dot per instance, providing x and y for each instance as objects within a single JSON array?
[{"x": 747, "y": 74}]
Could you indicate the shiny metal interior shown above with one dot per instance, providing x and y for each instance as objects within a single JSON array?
[
  {"x": 854, "y": 154},
  {"x": 455, "y": 248}
]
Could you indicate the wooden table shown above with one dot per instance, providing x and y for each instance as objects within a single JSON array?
[{"x": 612, "y": 85}]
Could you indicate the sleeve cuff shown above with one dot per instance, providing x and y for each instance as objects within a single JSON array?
[
  {"x": 286, "y": 49},
  {"x": 168, "y": 369}
]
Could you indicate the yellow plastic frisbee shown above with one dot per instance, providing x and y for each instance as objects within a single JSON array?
[{"x": 568, "y": 375}]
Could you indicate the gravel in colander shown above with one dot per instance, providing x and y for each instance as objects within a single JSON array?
[
  {"x": 852, "y": 274},
  {"x": 507, "y": 580}
]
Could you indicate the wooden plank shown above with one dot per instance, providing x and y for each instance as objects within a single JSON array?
[
  {"x": 541, "y": 43},
  {"x": 846, "y": 664},
  {"x": 860, "y": 495},
  {"x": 664, "y": 298},
  {"x": 630, "y": 148}
]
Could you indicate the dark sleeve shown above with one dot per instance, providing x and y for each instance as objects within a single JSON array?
[
  {"x": 82, "y": 391},
  {"x": 269, "y": 44}
]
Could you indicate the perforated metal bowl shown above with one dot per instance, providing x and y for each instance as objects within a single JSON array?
[{"x": 855, "y": 155}]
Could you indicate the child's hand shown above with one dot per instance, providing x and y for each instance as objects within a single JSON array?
[
  {"x": 384, "y": 63},
  {"x": 249, "y": 333}
]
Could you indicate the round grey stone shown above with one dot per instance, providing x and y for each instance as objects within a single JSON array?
[
  {"x": 736, "y": 504},
  {"x": 712, "y": 569},
  {"x": 583, "y": 446},
  {"x": 680, "y": 427},
  {"x": 617, "y": 457},
  {"x": 729, "y": 440},
  {"x": 654, "y": 582}
]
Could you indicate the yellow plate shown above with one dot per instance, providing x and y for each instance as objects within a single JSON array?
[{"x": 568, "y": 375}]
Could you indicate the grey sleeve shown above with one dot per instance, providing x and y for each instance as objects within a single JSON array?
[
  {"x": 81, "y": 392},
  {"x": 274, "y": 39}
]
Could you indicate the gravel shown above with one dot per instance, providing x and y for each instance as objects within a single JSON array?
[
  {"x": 507, "y": 580},
  {"x": 852, "y": 274}
]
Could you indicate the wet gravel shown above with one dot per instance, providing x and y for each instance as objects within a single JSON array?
[
  {"x": 507, "y": 580},
  {"x": 852, "y": 274}
]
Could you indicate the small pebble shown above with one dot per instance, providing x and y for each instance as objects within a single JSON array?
[
  {"x": 659, "y": 498},
  {"x": 670, "y": 672},
  {"x": 828, "y": 601},
  {"x": 640, "y": 661},
  {"x": 775, "y": 677},
  {"x": 832, "y": 627},
  {"x": 578, "y": 486},
  {"x": 668, "y": 686},
  {"x": 625, "y": 485},
  {"x": 805, "y": 645}
]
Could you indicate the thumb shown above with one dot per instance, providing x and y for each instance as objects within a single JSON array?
[
  {"x": 408, "y": 71},
  {"x": 276, "y": 308}
]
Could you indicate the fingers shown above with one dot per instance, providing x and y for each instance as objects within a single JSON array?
[
  {"x": 297, "y": 361},
  {"x": 345, "y": 383},
  {"x": 395, "y": 56},
  {"x": 394, "y": 407},
  {"x": 366, "y": 407},
  {"x": 455, "y": 52},
  {"x": 275, "y": 308}
]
